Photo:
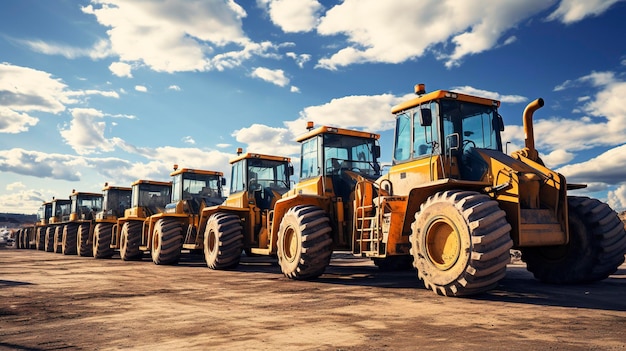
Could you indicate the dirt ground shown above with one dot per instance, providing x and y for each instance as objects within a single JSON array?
[{"x": 53, "y": 302}]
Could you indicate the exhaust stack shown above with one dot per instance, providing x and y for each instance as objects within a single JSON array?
[{"x": 529, "y": 150}]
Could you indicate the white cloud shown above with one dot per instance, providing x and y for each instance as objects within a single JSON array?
[
  {"x": 512, "y": 99},
  {"x": 276, "y": 76},
  {"x": 15, "y": 122},
  {"x": 557, "y": 157},
  {"x": 141, "y": 88},
  {"x": 570, "y": 11},
  {"x": 294, "y": 89},
  {"x": 293, "y": 15},
  {"x": 15, "y": 185},
  {"x": 264, "y": 139},
  {"x": 174, "y": 87},
  {"x": 25, "y": 90},
  {"x": 617, "y": 198},
  {"x": 39, "y": 164},
  {"x": 85, "y": 133},
  {"x": 372, "y": 113},
  {"x": 300, "y": 59},
  {"x": 99, "y": 50},
  {"x": 168, "y": 36},
  {"x": 385, "y": 31},
  {"x": 188, "y": 140},
  {"x": 223, "y": 145},
  {"x": 24, "y": 201},
  {"x": 608, "y": 167},
  {"x": 121, "y": 69}
]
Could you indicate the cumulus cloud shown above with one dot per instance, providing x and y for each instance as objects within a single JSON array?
[
  {"x": 141, "y": 88},
  {"x": 380, "y": 31},
  {"x": 85, "y": 133},
  {"x": 265, "y": 139},
  {"x": 15, "y": 185},
  {"x": 174, "y": 87},
  {"x": 608, "y": 167},
  {"x": 293, "y": 16},
  {"x": 25, "y": 90},
  {"x": 570, "y": 11},
  {"x": 188, "y": 140},
  {"x": 172, "y": 37},
  {"x": 121, "y": 69},
  {"x": 274, "y": 76},
  {"x": 617, "y": 198},
  {"x": 24, "y": 201},
  {"x": 361, "y": 112},
  {"x": 40, "y": 164},
  {"x": 512, "y": 99}
]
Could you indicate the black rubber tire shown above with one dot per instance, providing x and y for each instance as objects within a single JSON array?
[
  {"x": 460, "y": 242},
  {"x": 596, "y": 248},
  {"x": 167, "y": 241},
  {"x": 223, "y": 241},
  {"x": 130, "y": 240},
  {"x": 40, "y": 238},
  {"x": 304, "y": 242},
  {"x": 68, "y": 240},
  {"x": 26, "y": 238},
  {"x": 49, "y": 240},
  {"x": 83, "y": 241},
  {"x": 58, "y": 239},
  {"x": 101, "y": 244},
  {"x": 394, "y": 263},
  {"x": 18, "y": 239}
]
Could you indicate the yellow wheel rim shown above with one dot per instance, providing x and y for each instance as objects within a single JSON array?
[
  {"x": 290, "y": 244},
  {"x": 442, "y": 243}
]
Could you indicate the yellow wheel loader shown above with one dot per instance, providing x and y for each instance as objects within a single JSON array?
[
  {"x": 148, "y": 197},
  {"x": 244, "y": 220},
  {"x": 43, "y": 218},
  {"x": 458, "y": 203},
  {"x": 165, "y": 234},
  {"x": 116, "y": 200},
  {"x": 78, "y": 229},
  {"x": 61, "y": 209}
]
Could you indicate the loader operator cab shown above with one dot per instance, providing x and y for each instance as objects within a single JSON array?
[
  {"x": 195, "y": 189},
  {"x": 264, "y": 178},
  {"x": 151, "y": 196},
  {"x": 44, "y": 213},
  {"x": 60, "y": 210},
  {"x": 340, "y": 155},
  {"x": 115, "y": 201},
  {"x": 449, "y": 125},
  {"x": 85, "y": 206}
]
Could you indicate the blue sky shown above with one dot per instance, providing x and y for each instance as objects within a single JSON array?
[{"x": 113, "y": 91}]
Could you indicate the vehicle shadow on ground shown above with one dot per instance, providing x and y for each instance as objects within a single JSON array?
[
  {"x": 11, "y": 283},
  {"x": 519, "y": 286}
]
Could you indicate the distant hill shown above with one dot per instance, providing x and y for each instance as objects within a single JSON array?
[{"x": 16, "y": 219}]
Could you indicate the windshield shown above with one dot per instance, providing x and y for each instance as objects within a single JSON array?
[
  {"x": 116, "y": 201},
  {"x": 474, "y": 124},
  {"x": 150, "y": 195},
  {"x": 342, "y": 152},
  {"x": 268, "y": 174},
  {"x": 195, "y": 185}
]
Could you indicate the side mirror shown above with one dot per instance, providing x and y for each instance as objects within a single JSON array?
[
  {"x": 223, "y": 181},
  {"x": 290, "y": 170},
  {"x": 426, "y": 117},
  {"x": 376, "y": 151},
  {"x": 501, "y": 122}
]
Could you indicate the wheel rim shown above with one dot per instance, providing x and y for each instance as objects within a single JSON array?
[
  {"x": 442, "y": 243},
  {"x": 212, "y": 241},
  {"x": 155, "y": 241},
  {"x": 290, "y": 244}
]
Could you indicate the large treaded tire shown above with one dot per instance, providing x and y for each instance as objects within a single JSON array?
[
  {"x": 304, "y": 242},
  {"x": 68, "y": 240},
  {"x": 597, "y": 243},
  {"x": 102, "y": 234},
  {"x": 18, "y": 239},
  {"x": 130, "y": 240},
  {"x": 83, "y": 241},
  {"x": 49, "y": 240},
  {"x": 58, "y": 239},
  {"x": 167, "y": 241},
  {"x": 223, "y": 241},
  {"x": 41, "y": 238},
  {"x": 460, "y": 243}
]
